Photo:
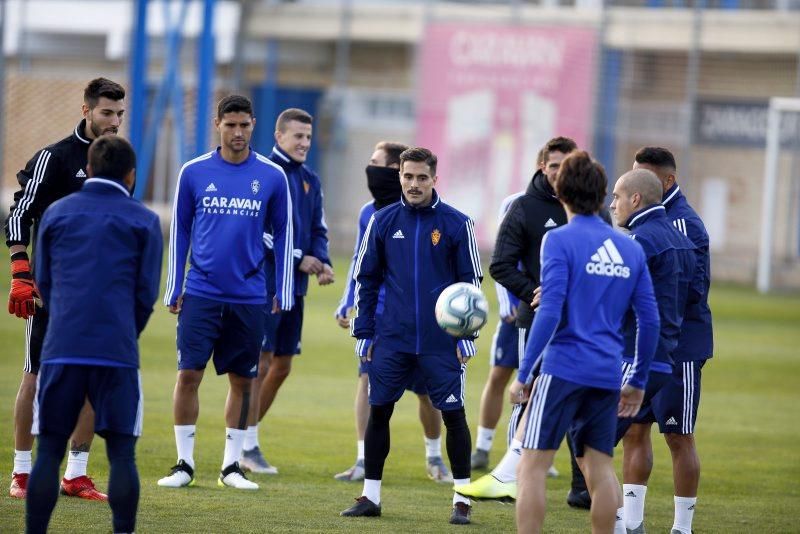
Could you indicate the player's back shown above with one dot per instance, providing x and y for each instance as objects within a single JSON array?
[{"x": 603, "y": 270}]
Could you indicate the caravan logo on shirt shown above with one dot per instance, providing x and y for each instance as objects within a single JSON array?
[
  {"x": 241, "y": 207},
  {"x": 607, "y": 261}
]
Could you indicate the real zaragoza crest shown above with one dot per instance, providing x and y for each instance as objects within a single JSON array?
[
  {"x": 255, "y": 185},
  {"x": 436, "y": 235}
]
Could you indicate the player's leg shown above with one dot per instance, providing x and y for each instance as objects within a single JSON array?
[
  {"x": 389, "y": 373},
  {"x": 604, "y": 488},
  {"x": 199, "y": 325},
  {"x": 532, "y": 494},
  {"x": 76, "y": 482},
  {"x": 123, "y": 480},
  {"x": 504, "y": 358},
  {"x": 237, "y": 353},
  {"x": 431, "y": 420},
  {"x": 686, "y": 476},
  {"x": 23, "y": 406},
  {"x": 361, "y": 409},
  {"x": 637, "y": 464},
  {"x": 287, "y": 345},
  {"x": 61, "y": 394}
]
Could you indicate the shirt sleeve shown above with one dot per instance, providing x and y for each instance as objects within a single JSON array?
[
  {"x": 43, "y": 275},
  {"x": 33, "y": 197},
  {"x": 149, "y": 276},
  {"x": 280, "y": 214},
  {"x": 369, "y": 274},
  {"x": 350, "y": 284},
  {"x": 469, "y": 270},
  {"x": 647, "y": 328},
  {"x": 555, "y": 281},
  {"x": 179, "y": 236},
  {"x": 319, "y": 230},
  {"x": 509, "y": 250}
]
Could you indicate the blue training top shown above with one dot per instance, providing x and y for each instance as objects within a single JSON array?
[
  {"x": 221, "y": 209},
  {"x": 591, "y": 275},
  {"x": 98, "y": 266}
]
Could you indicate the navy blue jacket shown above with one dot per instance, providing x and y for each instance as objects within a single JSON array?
[
  {"x": 308, "y": 218},
  {"x": 415, "y": 253},
  {"x": 697, "y": 339},
  {"x": 98, "y": 266},
  {"x": 672, "y": 261}
]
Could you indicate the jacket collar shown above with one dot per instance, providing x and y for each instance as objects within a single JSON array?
[
  {"x": 671, "y": 195},
  {"x": 540, "y": 187},
  {"x": 432, "y": 206},
  {"x": 284, "y": 159},
  {"x": 652, "y": 211},
  {"x": 105, "y": 184},
  {"x": 80, "y": 133}
]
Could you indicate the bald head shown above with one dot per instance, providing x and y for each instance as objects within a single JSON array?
[{"x": 634, "y": 191}]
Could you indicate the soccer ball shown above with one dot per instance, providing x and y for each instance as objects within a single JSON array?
[{"x": 461, "y": 309}]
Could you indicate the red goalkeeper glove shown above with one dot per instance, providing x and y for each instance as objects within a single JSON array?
[{"x": 24, "y": 293}]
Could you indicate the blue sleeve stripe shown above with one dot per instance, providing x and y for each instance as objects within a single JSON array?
[
  {"x": 287, "y": 292},
  {"x": 173, "y": 268},
  {"x": 503, "y": 301},
  {"x": 15, "y": 221},
  {"x": 361, "y": 252},
  {"x": 473, "y": 253}
]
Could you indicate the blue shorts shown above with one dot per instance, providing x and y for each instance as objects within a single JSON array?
[
  {"x": 390, "y": 373},
  {"x": 675, "y": 407},
  {"x": 282, "y": 330},
  {"x": 416, "y": 384},
  {"x": 231, "y": 332},
  {"x": 507, "y": 343},
  {"x": 115, "y": 393},
  {"x": 558, "y": 406},
  {"x": 655, "y": 382}
]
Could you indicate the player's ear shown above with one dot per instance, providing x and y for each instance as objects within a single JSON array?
[{"x": 216, "y": 123}]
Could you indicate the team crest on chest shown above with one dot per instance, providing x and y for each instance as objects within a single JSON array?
[
  {"x": 306, "y": 186},
  {"x": 436, "y": 235},
  {"x": 255, "y": 186}
]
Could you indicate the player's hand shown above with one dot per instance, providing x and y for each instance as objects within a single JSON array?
[
  {"x": 368, "y": 357},
  {"x": 344, "y": 320},
  {"x": 326, "y": 276},
  {"x": 276, "y": 307},
  {"x": 24, "y": 295},
  {"x": 537, "y": 297},
  {"x": 461, "y": 358},
  {"x": 511, "y": 318},
  {"x": 630, "y": 400},
  {"x": 176, "y": 308},
  {"x": 519, "y": 392},
  {"x": 310, "y": 265}
]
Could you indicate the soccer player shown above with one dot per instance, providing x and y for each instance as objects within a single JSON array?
[
  {"x": 591, "y": 275},
  {"x": 414, "y": 249},
  {"x": 518, "y": 244},
  {"x": 383, "y": 181},
  {"x": 52, "y": 173},
  {"x": 671, "y": 261},
  {"x": 102, "y": 237},
  {"x": 293, "y": 131},
  {"x": 675, "y": 407},
  {"x": 224, "y": 200}
]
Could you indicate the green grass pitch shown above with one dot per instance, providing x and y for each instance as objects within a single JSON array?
[{"x": 747, "y": 437}]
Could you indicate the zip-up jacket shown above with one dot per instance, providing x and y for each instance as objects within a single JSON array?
[
  {"x": 697, "y": 339},
  {"x": 221, "y": 209},
  {"x": 591, "y": 276},
  {"x": 52, "y": 173},
  {"x": 671, "y": 261},
  {"x": 98, "y": 269},
  {"x": 415, "y": 253},
  {"x": 515, "y": 261},
  {"x": 308, "y": 218}
]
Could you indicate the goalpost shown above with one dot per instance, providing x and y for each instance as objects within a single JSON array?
[{"x": 778, "y": 109}]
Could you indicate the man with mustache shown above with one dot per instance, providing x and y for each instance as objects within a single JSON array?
[
  {"x": 383, "y": 181},
  {"x": 51, "y": 174}
]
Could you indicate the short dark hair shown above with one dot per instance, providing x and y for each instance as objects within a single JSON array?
[
  {"x": 540, "y": 156},
  {"x": 234, "y": 104},
  {"x": 656, "y": 156},
  {"x": 565, "y": 145},
  {"x": 422, "y": 155},
  {"x": 102, "y": 87},
  {"x": 393, "y": 151},
  {"x": 292, "y": 114},
  {"x": 111, "y": 156},
  {"x": 581, "y": 183}
]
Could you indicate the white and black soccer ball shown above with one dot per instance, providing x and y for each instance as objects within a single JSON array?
[{"x": 462, "y": 309}]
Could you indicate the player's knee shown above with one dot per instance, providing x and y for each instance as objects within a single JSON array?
[
  {"x": 280, "y": 367},
  {"x": 189, "y": 379},
  {"x": 680, "y": 443},
  {"x": 120, "y": 448},
  {"x": 27, "y": 387},
  {"x": 498, "y": 377},
  {"x": 455, "y": 420},
  {"x": 380, "y": 415}
]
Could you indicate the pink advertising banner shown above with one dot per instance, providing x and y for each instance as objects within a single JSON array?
[{"x": 490, "y": 96}]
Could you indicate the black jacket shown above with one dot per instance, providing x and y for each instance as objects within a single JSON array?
[
  {"x": 52, "y": 173},
  {"x": 515, "y": 261}
]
